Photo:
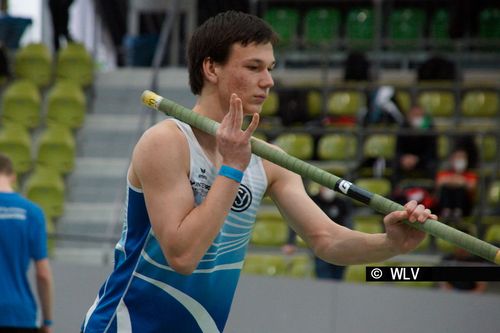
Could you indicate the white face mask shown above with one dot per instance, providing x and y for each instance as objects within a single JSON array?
[
  {"x": 459, "y": 165},
  {"x": 327, "y": 194},
  {"x": 417, "y": 122}
]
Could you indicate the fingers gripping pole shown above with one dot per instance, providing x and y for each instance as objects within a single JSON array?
[{"x": 375, "y": 201}]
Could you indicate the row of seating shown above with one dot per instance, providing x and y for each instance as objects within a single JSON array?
[
  {"x": 437, "y": 102},
  {"x": 55, "y": 148},
  {"x": 405, "y": 26},
  {"x": 22, "y": 104},
  {"x": 348, "y": 147},
  {"x": 35, "y": 62}
]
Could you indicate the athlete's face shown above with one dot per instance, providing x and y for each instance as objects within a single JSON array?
[{"x": 248, "y": 74}]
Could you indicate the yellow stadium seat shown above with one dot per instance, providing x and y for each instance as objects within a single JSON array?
[
  {"x": 75, "y": 63},
  {"x": 21, "y": 104},
  {"x": 437, "y": 103},
  {"x": 270, "y": 233},
  {"x": 15, "y": 142},
  {"x": 337, "y": 147},
  {"x": 56, "y": 149},
  {"x": 34, "y": 62},
  {"x": 379, "y": 145},
  {"x": 66, "y": 104},
  {"x": 45, "y": 187},
  {"x": 271, "y": 105},
  {"x": 370, "y": 224},
  {"x": 346, "y": 103},
  {"x": 299, "y": 145},
  {"x": 314, "y": 103},
  {"x": 301, "y": 266},
  {"x": 477, "y": 103},
  {"x": 264, "y": 264}
]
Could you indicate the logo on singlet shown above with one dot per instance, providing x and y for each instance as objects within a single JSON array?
[{"x": 243, "y": 199}]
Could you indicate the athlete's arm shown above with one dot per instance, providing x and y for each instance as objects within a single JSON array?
[
  {"x": 160, "y": 166},
  {"x": 335, "y": 243}
]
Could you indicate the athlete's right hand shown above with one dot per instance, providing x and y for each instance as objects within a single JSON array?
[{"x": 232, "y": 142}]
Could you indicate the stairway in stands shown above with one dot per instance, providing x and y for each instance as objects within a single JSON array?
[{"x": 92, "y": 220}]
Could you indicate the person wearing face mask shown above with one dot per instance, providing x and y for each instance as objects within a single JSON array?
[
  {"x": 456, "y": 186},
  {"x": 416, "y": 154}
]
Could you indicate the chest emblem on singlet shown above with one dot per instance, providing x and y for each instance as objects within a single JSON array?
[{"x": 243, "y": 199}]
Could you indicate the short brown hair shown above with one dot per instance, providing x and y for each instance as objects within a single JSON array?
[
  {"x": 214, "y": 38},
  {"x": 6, "y": 167}
]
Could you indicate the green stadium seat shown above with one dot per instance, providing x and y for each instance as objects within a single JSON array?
[
  {"x": 346, "y": 103},
  {"x": 337, "y": 147},
  {"x": 379, "y": 145},
  {"x": 437, "y": 103},
  {"x": 34, "y": 62},
  {"x": 21, "y": 104},
  {"x": 56, "y": 149},
  {"x": 15, "y": 142},
  {"x": 439, "y": 29},
  {"x": 406, "y": 27},
  {"x": 75, "y": 63},
  {"x": 264, "y": 264},
  {"x": 66, "y": 104},
  {"x": 489, "y": 23},
  {"x": 321, "y": 26},
  {"x": 360, "y": 28},
  {"x": 478, "y": 103},
  {"x": 285, "y": 21},
  {"x": 299, "y": 145},
  {"x": 45, "y": 187}
]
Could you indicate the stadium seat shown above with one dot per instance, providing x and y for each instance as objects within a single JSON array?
[
  {"x": 271, "y": 105},
  {"x": 370, "y": 224},
  {"x": 285, "y": 22},
  {"x": 21, "y": 104},
  {"x": 478, "y": 103},
  {"x": 403, "y": 98},
  {"x": 379, "y": 145},
  {"x": 66, "y": 104},
  {"x": 437, "y": 103},
  {"x": 56, "y": 149},
  {"x": 346, "y": 103},
  {"x": 45, "y": 187},
  {"x": 488, "y": 147},
  {"x": 494, "y": 194},
  {"x": 321, "y": 26},
  {"x": 75, "y": 63},
  {"x": 493, "y": 234},
  {"x": 439, "y": 29},
  {"x": 299, "y": 145},
  {"x": 15, "y": 142},
  {"x": 489, "y": 23},
  {"x": 34, "y": 62},
  {"x": 355, "y": 274},
  {"x": 269, "y": 233},
  {"x": 406, "y": 26},
  {"x": 301, "y": 266},
  {"x": 381, "y": 186},
  {"x": 264, "y": 264},
  {"x": 443, "y": 148},
  {"x": 337, "y": 147},
  {"x": 360, "y": 28},
  {"x": 314, "y": 104}
]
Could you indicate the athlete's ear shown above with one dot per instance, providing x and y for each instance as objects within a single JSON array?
[{"x": 210, "y": 70}]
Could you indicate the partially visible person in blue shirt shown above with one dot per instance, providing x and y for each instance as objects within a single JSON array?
[{"x": 23, "y": 238}]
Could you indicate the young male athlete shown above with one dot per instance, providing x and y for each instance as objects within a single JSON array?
[{"x": 192, "y": 198}]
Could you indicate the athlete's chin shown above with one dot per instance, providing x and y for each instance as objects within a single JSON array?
[{"x": 253, "y": 108}]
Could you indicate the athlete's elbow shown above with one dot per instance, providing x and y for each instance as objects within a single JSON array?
[{"x": 182, "y": 264}]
